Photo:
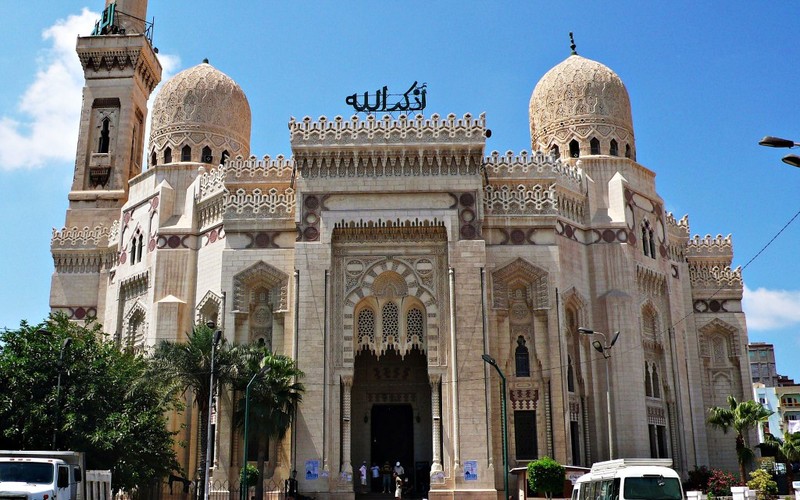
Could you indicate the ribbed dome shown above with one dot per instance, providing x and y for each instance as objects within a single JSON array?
[
  {"x": 580, "y": 99},
  {"x": 201, "y": 107}
]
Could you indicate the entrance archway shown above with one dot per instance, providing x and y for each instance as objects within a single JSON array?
[{"x": 391, "y": 417}]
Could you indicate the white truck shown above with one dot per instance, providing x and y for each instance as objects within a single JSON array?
[{"x": 41, "y": 475}]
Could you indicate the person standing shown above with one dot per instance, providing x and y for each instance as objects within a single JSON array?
[
  {"x": 376, "y": 477},
  {"x": 387, "y": 477},
  {"x": 399, "y": 470},
  {"x": 398, "y": 485},
  {"x": 363, "y": 471}
]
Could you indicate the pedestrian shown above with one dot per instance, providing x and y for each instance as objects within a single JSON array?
[
  {"x": 386, "y": 471},
  {"x": 399, "y": 470},
  {"x": 398, "y": 485},
  {"x": 376, "y": 477},
  {"x": 363, "y": 471}
]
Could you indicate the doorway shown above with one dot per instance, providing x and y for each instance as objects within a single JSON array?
[{"x": 392, "y": 433}]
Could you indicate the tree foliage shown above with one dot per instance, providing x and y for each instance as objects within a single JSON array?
[
  {"x": 741, "y": 417},
  {"x": 106, "y": 406},
  {"x": 762, "y": 482},
  {"x": 545, "y": 475}
]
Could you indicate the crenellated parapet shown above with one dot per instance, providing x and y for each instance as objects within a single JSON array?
[
  {"x": 387, "y": 147},
  {"x": 267, "y": 203},
  {"x": 533, "y": 184},
  {"x": 710, "y": 260},
  {"x": 708, "y": 248},
  {"x": 677, "y": 237},
  {"x": 278, "y": 169},
  {"x": 714, "y": 277},
  {"x": 678, "y": 228}
]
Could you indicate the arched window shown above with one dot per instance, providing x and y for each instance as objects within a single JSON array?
[
  {"x": 390, "y": 322},
  {"x": 656, "y": 383},
  {"x": 133, "y": 250},
  {"x": 570, "y": 375},
  {"x": 140, "y": 248},
  {"x": 574, "y": 149},
  {"x": 522, "y": 357},
  {"x": 224, "y": 157},
  {"x": 554, "y": 151},
  {"x": 206, "y": 156},
  {"x": 168, "y": 155},
  {"x": 627, "y": 151},
  {"x": 594, "y": 144},
  {"x": 366, "y": 326},
  {"x": 153, "y": 159},
  {"x": 648, "y": 390},
  {"x": 645, "y": 244},
  {"x": 614, "y": 150},
  {"x": 105, "y": 136},
  {"x": 414, "y": 326},
  {"x": 652, "y": 244},
  {"x": 186, "y": 153}
]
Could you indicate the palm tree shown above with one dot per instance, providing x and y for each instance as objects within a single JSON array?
[
  {"x": 790, "y": 449},
  {"x": 741, "y": 416},
  {"x": 273, "y": 400},
  {"x": 187, "y": 365}
]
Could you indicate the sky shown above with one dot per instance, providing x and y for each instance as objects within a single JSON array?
[{"x": 707, "y": 79}]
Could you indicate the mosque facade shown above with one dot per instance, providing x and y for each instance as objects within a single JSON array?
[{"x": 387, "y": 256}]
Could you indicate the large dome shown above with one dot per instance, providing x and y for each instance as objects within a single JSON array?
[
  {"x": 582, "y": 102},
  {"x": 203, "y": 109}
]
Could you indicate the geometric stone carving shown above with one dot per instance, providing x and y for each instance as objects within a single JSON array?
[
  {"x": 534, "y": 279},
  {"x": 265, "y": 275}
]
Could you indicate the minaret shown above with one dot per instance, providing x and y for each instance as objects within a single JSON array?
[{"x": 121, "y": 70}]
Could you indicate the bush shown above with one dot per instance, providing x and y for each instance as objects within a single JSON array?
[
  {"x": 762, "y": 482},
  {"x": 698, "y": 479},
  {"x": 546, "y": 476},
  {"x": 252, "y": 474},
  {"x": 720, "y": 482}
]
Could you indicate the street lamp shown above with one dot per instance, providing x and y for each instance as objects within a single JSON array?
[
  {"x": 605, "y": 350},
  {"x": 243, "y": 486},
  {"x": 777, "y": 142},
  {"x": 64, "y": 345},
  {"x": 209, "y": 435},
  {"x": 490, "y": 360}
]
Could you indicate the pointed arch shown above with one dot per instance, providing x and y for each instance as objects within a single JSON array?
[
  {"x": 135, "y": 327},
  {"x": 520, "y": 272},
  {"x": 260, "y": 274},
  {"x": 208, "y": 308}
]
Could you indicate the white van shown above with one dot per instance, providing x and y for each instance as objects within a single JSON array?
[
  {"x": 41, "y": 475},
  {"x": 630, "y": 479}
]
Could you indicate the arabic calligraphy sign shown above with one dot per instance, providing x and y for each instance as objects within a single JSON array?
[{"x": 412, "y": 100}]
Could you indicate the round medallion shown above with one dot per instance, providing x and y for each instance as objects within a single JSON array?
[
  {"x": 174, "y": 241},
  {"x": 262, "y": 240},
  {"x": 467, "y": 199},
  {"x": 310, "y": 234},
  {"x": 517, "y": 237},
  {"x": 311, "y": 202},
  {"x": 468, "y": 232}
]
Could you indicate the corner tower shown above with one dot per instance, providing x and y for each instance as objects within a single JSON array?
[{"x": 121, "y": 70}]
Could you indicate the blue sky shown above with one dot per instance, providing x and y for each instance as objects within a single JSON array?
[{"x": 706, "y": 79}]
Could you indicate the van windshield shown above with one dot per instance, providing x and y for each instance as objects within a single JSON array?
[
  {"x": 652, "y": 488},
  {"x": 26, "y": 472}
]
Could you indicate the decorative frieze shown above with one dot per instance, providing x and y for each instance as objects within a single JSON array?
[
  {"x": 520, "y": 199},
  {"x": 267, "y": 203},
  {"x": 524, "y": 399},
  {"x": 77, "y": 238},
  {"x": 714, "y": 276},
  {"x": 650, "y": 282}
]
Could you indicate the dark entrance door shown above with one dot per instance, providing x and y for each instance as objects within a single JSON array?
[{"x": 392, "y": 433}]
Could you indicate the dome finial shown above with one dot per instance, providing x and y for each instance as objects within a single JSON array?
[
  {"x": 205, "y": 59},
  {"x": 572, "y": 44}
]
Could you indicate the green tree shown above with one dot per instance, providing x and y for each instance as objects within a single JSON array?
[
  {"x": 762, "y": 482},
  {"x": 106, "y": 406},
  {"x": 545, "y": 475},
  {"x": 786, "y": 451},
  {"x": 741, "y": 417},
  {"x": 273, "y": 400},
  {"x": 186, "y": 366}
]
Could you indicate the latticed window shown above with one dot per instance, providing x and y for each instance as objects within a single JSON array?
[
  {"x": 366, "y": 326},
  {"x": 414, "y": 327},
  {"x": 390, "y": 321},
  {"x": 649, "y": 326}
]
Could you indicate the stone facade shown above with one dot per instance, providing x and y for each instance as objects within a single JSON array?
[{"x": 388, "y": 255}]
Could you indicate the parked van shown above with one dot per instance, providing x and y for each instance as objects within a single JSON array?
[
  {"x": 629, "y": 479},
  {"x": 41, "y": 475}
]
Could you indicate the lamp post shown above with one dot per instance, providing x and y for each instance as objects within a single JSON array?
[
  {"x": 605, "y": 350},
  {"x": 209, "y": 435},
  {"x": 490, "y": 360},
  {"x": 64, "y": 345},
  {"x": 243, "y": 487},
  {"x": 777, "y": 142}
]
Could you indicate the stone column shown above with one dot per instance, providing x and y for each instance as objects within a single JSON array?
[
  {"x": 347, "y": 388},
  {"x": 436, "y": 413}
]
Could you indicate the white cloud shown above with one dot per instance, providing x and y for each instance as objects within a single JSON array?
[
  {"x": 45, "y": 127},
  {"x": 771, "y": 309},
  {"x": 51, "y": 105}
]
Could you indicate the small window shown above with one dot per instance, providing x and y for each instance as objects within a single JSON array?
[
  {"x": 594, "y": 144},
  {"x": 207, "y": 157},
  {"x": 645, "y": 244},
  {"x": 153, "y": 159},
  {"x": 614, "y": 150},
  {"x": 656, "y": 384},
  {"x": 186, "y": 153},
  {"x": 224, "y": 157},
  {"x": 627, "y": 151},
  {"x": 648, "y": 389},
  {"x": 522, "y": 357},
  {"x": 555, "y": 152},
  {"x": 570, "y": 375},
  {"x": 168, "y": 155},
  {"x": 652, "y": 245},
  {"x": 574, "y": 149},
  {"x": 105, "y": 136}
]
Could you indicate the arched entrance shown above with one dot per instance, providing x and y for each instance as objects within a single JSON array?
[{"x": 391, "y": 401}]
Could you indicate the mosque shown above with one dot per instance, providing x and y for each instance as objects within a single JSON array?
[{"x": 404, "y": 267}]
